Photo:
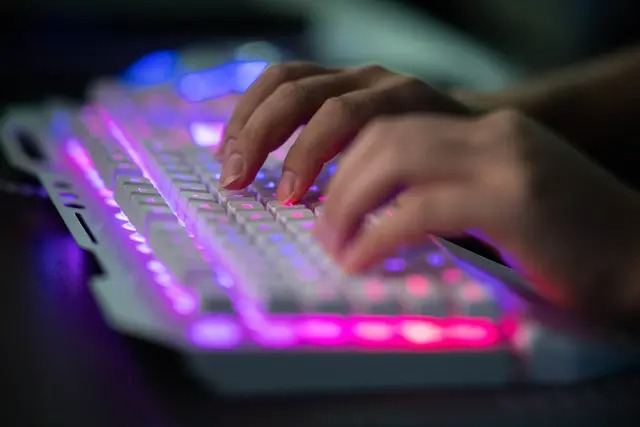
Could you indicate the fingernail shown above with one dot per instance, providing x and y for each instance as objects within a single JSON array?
[
  {"x": 232, "y": 169},
  {"x": 286, "y": 187}
]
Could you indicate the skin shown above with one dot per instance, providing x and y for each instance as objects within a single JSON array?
[{"x": 508, "y": 176}]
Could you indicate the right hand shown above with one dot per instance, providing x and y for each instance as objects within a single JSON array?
[{"x": 334, "y": 103}]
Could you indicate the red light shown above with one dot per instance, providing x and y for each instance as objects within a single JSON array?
[
  {"x": 417, "y": 285},
  {"x": 451, "y": 275},
  {"x": 471, "y": 332}
]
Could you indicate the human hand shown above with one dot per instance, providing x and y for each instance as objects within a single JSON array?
[
  {"x": 336, "y": 103},
  {"x": 564, "y": 223}
]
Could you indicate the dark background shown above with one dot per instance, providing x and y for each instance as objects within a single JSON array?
[
  {"x": 59, "y": 363},
  {"x": 57, "y": 46}
]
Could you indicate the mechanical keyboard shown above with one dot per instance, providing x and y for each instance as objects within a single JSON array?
[{"x": 236, "y": 283}]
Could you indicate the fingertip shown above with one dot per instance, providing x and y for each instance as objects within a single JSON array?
[
  {"x": 353, "y": 260},
  {"x": 287, "y": 188}
]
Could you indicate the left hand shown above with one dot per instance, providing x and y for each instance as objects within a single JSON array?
[{"x": 571, "y": 228}]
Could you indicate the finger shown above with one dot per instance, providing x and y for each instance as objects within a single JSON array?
[
  {"x": 264, "y": 86},
  {"x": 401, "y": 153},
  {"x": 440, "y": 209},
  {"x": 334, "y": 126},
  {"x": 291, "y": 105}
]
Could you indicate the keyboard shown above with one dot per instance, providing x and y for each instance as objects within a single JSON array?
[{"x": 238, "y": 286}]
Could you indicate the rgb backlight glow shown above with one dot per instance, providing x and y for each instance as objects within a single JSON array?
[{"x": 370, "y": 333}]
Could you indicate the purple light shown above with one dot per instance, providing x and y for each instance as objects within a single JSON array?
[
  {"x": 436, "y": 259},
  {"x": 276, "y": 334},
  {"x": 207, "y": 134},
  {"x": 111, "y": 202},
  {"x": 395, "y": 264},
  {"x": 121, "y": 216},
  {"x": 183, "y": 302},
  {"x": 104, "y": 192},
  {"x": 128, "y": 226},
  {"x": 217, "y": 332},
  {"x": 137, "y": 237},
  {"x": 143, "y": 248},
  {"x": 163, "y": 279},
  {"x": 156, "y": 266}
]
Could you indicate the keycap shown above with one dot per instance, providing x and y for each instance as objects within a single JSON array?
[
  {"x": 175, "y": 249},
  {"x": 143, "y": 215},
  {"x": 241, "y": 195},
  {"x": 475, "y": 300},
  {"x": 212, "y": 296},
  {"x": 421, "y": 295},
  {"x": 246, "y": 217},
  {"x": 274, "y": 207},
  {"x": 299, "y": 226},
  {"x": 187, "y": 197},
  {"x": 371, "y": 295},
  {"x": 265, "y": 196},
  {"x": 127, "y": 169},
  {"x": 126, "y": 185},
  {"x": 285, "y": 215},
  {"x": 268, "y": 239},
  {"x": 235, "y": 206},
  {"x": 262, "y": 227},
  {"x": 323, "y": 296}
]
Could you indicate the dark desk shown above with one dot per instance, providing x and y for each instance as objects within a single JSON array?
[{"x": 63, "y": 367}]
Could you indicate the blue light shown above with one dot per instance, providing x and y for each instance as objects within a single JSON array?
[
  {"x": 152, "y": 69},
  {"x": 435, "y": 259},
  {"x": 221, "y": 80}
]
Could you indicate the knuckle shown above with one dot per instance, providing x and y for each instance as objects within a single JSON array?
[
  {"x": 292, "y": 91},
  {"x": 408, "y": 82},
  {"x": 278, "y": 72},
  {"x": 340, "y": 106},
  {"x": 372, "y": 69},
  {"x": 506, "y": 122}
]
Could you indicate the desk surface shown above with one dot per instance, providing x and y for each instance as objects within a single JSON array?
[{"x": 62, "y": 366}]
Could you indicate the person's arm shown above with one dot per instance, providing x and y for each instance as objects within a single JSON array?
[{"x": 595, "y": 105}]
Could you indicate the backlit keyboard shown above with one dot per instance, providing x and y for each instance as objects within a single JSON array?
[{"x": 237, "y": 284}]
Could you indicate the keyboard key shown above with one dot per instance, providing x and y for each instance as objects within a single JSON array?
[
  {"x": 372, "y": 296},
  {"x": 293, "y": 214},
  {"x": 144, "y": 215},
  {"x": 475, "y": 300},
  {"x": 241, "y": 195},
  {"x": 175, "y": 248},
  {"x": 274, "y": 207},
  {"x": 420, "y": 295},
  {"x": 187, "y": 197},
  {"x": 126, "y": 169},
  {"x": 262, "y": 227},
  {"x": 299, "y": 226},
  {"x": 246, "y": 217},
  {"x": 235, "y": 206},
  {"x": 269, "y": 239}
]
